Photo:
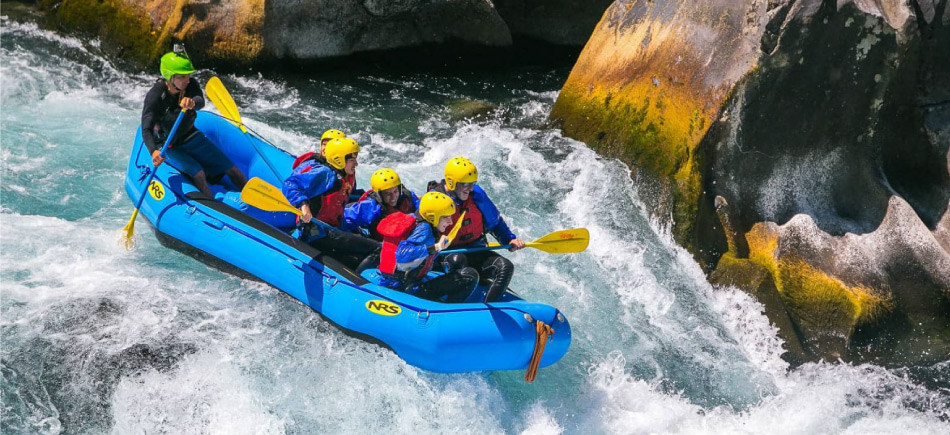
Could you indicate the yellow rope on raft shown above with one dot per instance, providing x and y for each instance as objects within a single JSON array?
[{"x": 544, "y": 333}]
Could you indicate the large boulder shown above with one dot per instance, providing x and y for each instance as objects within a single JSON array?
[
  {"x": 824, "y": 128},
  {"x": 650, "y": 82}
]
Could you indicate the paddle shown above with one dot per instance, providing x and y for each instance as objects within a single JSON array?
[
  {"x": 130, "y": 227},
  {"x": 222, "y": 100},
  {"x": 456, "y": 228},
  {"x": 559, "y": 242},
  {"x": 263, "y": 195}
]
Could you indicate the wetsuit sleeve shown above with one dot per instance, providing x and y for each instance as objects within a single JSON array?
[
  {"x": 494, "y": 223},
  {"x": 417, "y": 246},
  {"x": 360, "y": 214},
  {"x": 150, "y": 116},
  {"x": 301, "y": 186},
  {"x": 193, "y": 91}
]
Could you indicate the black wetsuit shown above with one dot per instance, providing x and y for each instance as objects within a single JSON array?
[{"x": 160, "y": 110}]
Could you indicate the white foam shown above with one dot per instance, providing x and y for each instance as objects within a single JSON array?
[
  {"x": 655, "y": 350},
  {"x": 204, "y": 395},
  {"x": 538, "y": 420}
]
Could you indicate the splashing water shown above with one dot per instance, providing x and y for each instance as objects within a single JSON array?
[{"x": 96, "y": 339}]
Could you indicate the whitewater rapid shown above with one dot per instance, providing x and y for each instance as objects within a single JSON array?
[{"x": 96, "y": 339}]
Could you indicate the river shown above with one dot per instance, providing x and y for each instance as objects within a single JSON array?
[{"x": 97, "y": 339}]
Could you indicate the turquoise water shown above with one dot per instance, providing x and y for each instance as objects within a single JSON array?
[{"x": 96, "y": 339}]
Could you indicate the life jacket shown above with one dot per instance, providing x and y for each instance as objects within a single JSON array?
[
  {"x": 327, "y": 207},
  {"x": 403, "y": 205},
  {"x": 472, "y": 227},
  {"x": 395, "y": 228}
]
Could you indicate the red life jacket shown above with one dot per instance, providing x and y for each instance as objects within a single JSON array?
[
  {"x": 473, "y": 226},
  {"x": 329, "y": 206},
  {"x": 404, "y": 205},
  {"x": 332, "y": 203},
  {"x": 302, "y": 158},
  {"x": 395, "y": 228}
]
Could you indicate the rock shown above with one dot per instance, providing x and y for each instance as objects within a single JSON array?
[
  {"x": 564, "y": 22},
  {"x": 124, "y": 26},
  {"x": 650, "y": 82},
  {"x": 855, "y": 297},
  {"x": 822, "y": 125},
  {"x": 140, "y": 31},
  {"x": 470, "y": 110},
  {"x": 243, "y": 32},
  {"x": 325, "y": 28}
]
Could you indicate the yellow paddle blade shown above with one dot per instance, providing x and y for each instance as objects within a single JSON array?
[
  {"x": 261, "y": 194},
  {"x": 128, "y": 231},
  {"x": 456, "y": 228},
  {"x": 222, "y": 100},
  {"x": 563, "y": 241}
]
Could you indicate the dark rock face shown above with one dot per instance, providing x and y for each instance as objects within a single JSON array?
[
  {"x": 827, "y": 145},
  {"x": 565, "y": 22},
  {"x": 242, "y": 32},
  {"x": 325, "y": 28}
]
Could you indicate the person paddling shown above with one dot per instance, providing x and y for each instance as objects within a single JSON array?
[
  {"x": 190, "y": 151},
  {"x": 319, "y": 187},
  {"x": 482, "y": 217},
  {"x": 410, "y": 248},
  {"x": 386, "y": 196}
]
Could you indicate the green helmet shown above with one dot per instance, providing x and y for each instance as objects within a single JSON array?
[{"x": 173, "y": 64}]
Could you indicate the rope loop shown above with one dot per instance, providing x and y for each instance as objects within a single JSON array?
[{"x": 543, "y": 334}]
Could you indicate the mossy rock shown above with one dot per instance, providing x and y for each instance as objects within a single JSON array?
[
  {"x": 655, "y": 131},
  {"x": 216, "y": 33},
  {"x": 825, "y": 310},
  {"x": 470, "y": 110},
  {"x": 124, "y": 28}
]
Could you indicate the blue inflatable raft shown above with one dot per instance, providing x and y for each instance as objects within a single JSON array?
[{"x": 229, "y": 234}]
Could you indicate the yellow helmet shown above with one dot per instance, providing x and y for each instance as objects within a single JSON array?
[
  {"x": 434, "y": 205},
  {"x": 338, "y": 149},
  {"x": 459, "y": 170},
  {"x": 332, "y": 134},
  {"x": 384, "y": 179}
]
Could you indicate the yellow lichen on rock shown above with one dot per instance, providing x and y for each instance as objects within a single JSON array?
[
  {"x": 634, "y": 94},
  {"x": 142, "y": 30},
  {"x": 818, "y": 303},
  {"x": 169, "y": 26},
  {"x": 656, "y": 130},
  {"x": 241, "y": 39},
  {"x": 125, "y": 25}
]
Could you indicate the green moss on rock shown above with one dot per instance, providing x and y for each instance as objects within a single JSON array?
[
  {"x": 653, "y": 130},
  {"x": 826, "y": 310},
  {"x": 123, "y": 28}
]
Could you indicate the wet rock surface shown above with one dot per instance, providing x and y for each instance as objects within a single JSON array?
[{"x": 823, "y": 127}]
